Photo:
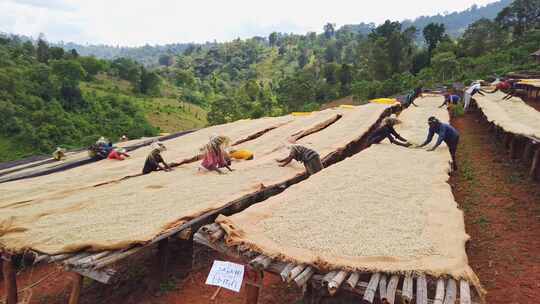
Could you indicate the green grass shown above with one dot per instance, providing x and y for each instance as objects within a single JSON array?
[
  {"x": 165, "y": 112},
  {"x": 11, "y": 151}
]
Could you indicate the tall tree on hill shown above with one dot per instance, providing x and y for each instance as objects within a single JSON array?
[
  {"x": 520, "y": 16},
  {"x": 273, "y": 38},
  {"x": 391, "y": 50},
  {"x": 482, "y": 37},
  {"x": 329, "y": 30},
  {"x": 42, "y": 51},
  {"x": 433, "y": 34}
]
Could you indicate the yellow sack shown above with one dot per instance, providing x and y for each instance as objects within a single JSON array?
[
  {"x": 301, "y": 113},
  {"x": 388, "y": 101},
  {"x": 241, "y": 154}
]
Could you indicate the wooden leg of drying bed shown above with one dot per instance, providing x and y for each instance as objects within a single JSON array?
[
  {"x": 76, "y": 288},
  {"x": 163, "y": 255},
  {"x": 253, "y": 285},
  {"x": 10, "y": 280},
  {"x": 535, "y": 167}
]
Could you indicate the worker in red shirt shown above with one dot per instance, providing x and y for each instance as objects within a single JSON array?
[
  {"x": 118, "y": 154},
  {"x": 506, "y": 86}
]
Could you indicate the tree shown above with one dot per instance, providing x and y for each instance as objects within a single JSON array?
[
  {"x": 329, "y": 30},
  {"x": 303, "y": 58},
  {"x": 42, "y": 51},
  {"x": 520, "y": 16},
  {"x": 445, "y": 65},
  {"x": 273, "y": 38},
  {"x": 433, "y": 34},
  {"x": 166, "y": 60},
  {"x": 92, "y": 66},
  {"x": 482, "y": 37},
  {"x": 149, "y": 83},
  {"x": 331, "y": 52},
  {"x": 345, "y": 78},
  {"x": 56, "y": 53}
]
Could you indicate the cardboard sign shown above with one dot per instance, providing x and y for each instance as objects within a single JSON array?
[{"x": 227, "y": 275}]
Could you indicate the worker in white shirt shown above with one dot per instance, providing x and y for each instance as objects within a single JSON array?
[{"x": 470, "y": 92}]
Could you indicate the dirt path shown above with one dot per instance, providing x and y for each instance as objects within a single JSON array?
[{"x": 502, "y": 216}]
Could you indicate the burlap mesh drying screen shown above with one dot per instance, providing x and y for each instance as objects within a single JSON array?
[
  {"x": 387, "y": 209},
  {"x": 136, "y": 210},
  {"x": 513, "y": 115}
]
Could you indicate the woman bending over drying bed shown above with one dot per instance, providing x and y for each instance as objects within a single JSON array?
[
  {"x": 215, "y": 156},
  {"x": 387, "y": 131},
  {"x": 310, "y": 158}
]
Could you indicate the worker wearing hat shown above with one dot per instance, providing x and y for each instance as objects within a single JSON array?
[
  {"x": 446, "y": 133},
  {"x": 387, "y": 131},
  {"x": 154, "y": 159},
  {"x": 59, "y": 153}
]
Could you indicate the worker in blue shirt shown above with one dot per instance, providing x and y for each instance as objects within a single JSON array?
[
  {"x": 450, "y": 99},
  {"x": 446, "y": 133}
]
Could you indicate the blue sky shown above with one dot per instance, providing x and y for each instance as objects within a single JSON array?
[{"x": 137, "y": 22}]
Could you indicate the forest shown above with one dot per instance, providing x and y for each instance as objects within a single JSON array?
[
  {"x": 285, "y": 72},
  {"x": 51, "y": 96}
]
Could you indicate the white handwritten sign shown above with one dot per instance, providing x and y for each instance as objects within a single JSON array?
[{"x": 227, "y": 275}]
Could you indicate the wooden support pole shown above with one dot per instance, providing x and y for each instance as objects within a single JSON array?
[
  {"x": 439, "y": 293},
  {"x": 295, "y": 272},
  {"x": 253, "y": 285},
  {"x": 163, "y": 253},
  {"x": 534, "y": 172},
  {"x": 421, "y": 290},
  {"x": 407, "y": 290},
  {"x": 508, "y": 137},
  {"x": 515, "y": 147},
  {"x": 382, "y": 289},
  {"x": 10, "y": 280},
  {"x": 464, "y": 292},
  {"x": 371, "y": 289},
  {"x": 261, "y": 262},
  {"x": 302, "y": 279},
  {"x": 353, "y": 279},
  {"x": 284, "y": 274},
  {"x": 528, "y": 152},
  {"x": 76, "y": 288},
  {"x": 327, "y": 278},
  {"x": 391, "y": 289},
  {"x": 334, "y": 284},
  {"x": 451, "y": 292}
]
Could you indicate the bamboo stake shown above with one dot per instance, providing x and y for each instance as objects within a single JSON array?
[
  {"x": 328, "y": 277},
  {"x": 391, "y": 289},
  {"x": 338, "y": 279},
  {"x": 421, "y": 290},
  {"x": 439, "y": 294},
  {"x": 535, "y": 167},
  {"x": 261, "y": 262},
  {"x": 464, "y": 292},
  {"x": 304, "y": 277},
  {"x": 295, "y": 272},
  {"x": 382, "y": 289},
  {"x": 451, "y": 292},
  {"x": 369, "y": 294},
  {"x": 407, "y": 289},
  {"x": 353, "y": 279},
  {"x": 91, "y": 259},
  {"x": 284, "y": 274}
]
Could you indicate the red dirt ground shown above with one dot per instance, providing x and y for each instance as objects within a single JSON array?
[{"x": 502, "y": 216}]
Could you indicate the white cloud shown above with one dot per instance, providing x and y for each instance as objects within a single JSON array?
[{"x": 136, "y": 22}]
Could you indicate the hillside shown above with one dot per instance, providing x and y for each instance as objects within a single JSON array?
[
  {"x": 455, "y": 22},
  {"x": 51, "y": 98}
]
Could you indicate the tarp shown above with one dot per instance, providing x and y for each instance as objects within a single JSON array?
[
  {"x": 135, "y": 210},
  {"x": 513, "y": 115},
  {"x": 386, "y": 209},
  {"x": 388, "y": 101}
]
